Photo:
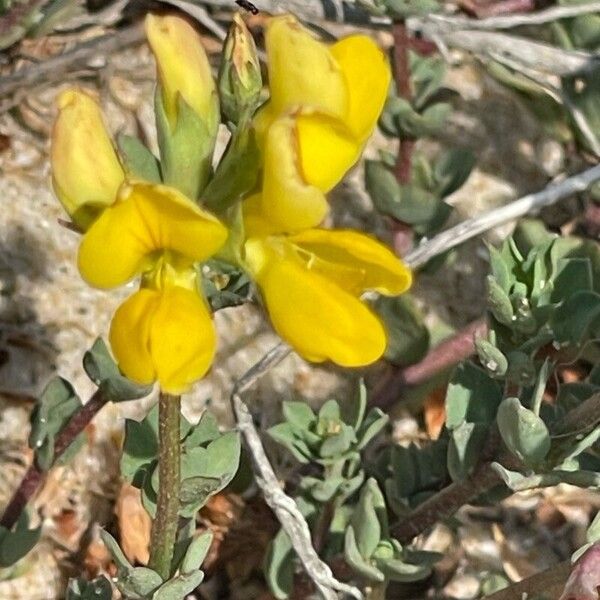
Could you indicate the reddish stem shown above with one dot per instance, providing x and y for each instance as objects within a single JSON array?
[
  {"x": 445, "y": 355},
  {"x": 34, "y": 476},
  {"x": 403, "y": 88}
]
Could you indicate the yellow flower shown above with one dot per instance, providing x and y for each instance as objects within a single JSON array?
[
  {"x": 324, "y": 104},
  {"x": 325, "y": 101},
  {"x": 86, "y": 172},
  {"x": 311, "y": 284},
  {"x": 164, "y": 331},
  {"x": 183, "y": 68}
]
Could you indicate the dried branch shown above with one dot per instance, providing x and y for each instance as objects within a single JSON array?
[
  {"x": 283, "y": 506},
  {"x": 549, "y": 582},
  {"x": 201, "y": 15},
  {"x": 531, "y": 203},
  {"x": 34, "y": 476},
  {"x": 55, "y": 67}
]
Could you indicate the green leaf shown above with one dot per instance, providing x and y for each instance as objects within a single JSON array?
[
  {"x": 571, "y": 276},
  {"x": 186, "y": 152},
  {"x": 464, "y": 450},
  {"x": 196, "y": 552},
  {"x": 140, "y": 448},
  {"x": 298, "y": 414},
  {"x": 376, "y": 420},
  {"x": 55, "y": 406},
  {"x": 365, "y": 520},
  {"x": 330, "y": 411},
  {"x": 472, "y": 396},
  {"x": 194, "y": 493},
  {"x": 223, "y": 457},
  {"x": 338, "y": 444},
  {"x": 18, "y": 542},
  {"x": 408, "y": 337},
  {"x": 179, "y": 586},
  {"x": 279, "y": 566},
  {"x": 523, "y": 432},
  {"x": 398, "y": 570},
  {"x": 577, "y": 318},
  {"x": 500, "y": 271},
  {"x": 452, "y": 169},
  {"x": 492, "y": 359},
  {"x": 206, "y": 430},
  {"x": 382, "y": 186},
  {"x": 138, "y": 161},
  {"x": 593, "y": 531},
  {"x": 97, "y": 589},
  {"x": 284, "y": 435},
  {"x": 357, "y": 562},
  {"x": 499, "y": 302},
  {"x": 104, "y": 372},
  {"x": 354, "y": 411},
  {"x": 237, "y": 172}
]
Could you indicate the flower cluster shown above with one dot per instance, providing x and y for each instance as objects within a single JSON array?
[{"x": 324, "y": 103}]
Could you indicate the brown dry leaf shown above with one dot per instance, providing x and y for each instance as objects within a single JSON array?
[
  {"x": 435, "y": 412},
  {"x": 134, "y": 525},
  {"x": 68, "y": 529},
  {"x": 97, "y": 560}
]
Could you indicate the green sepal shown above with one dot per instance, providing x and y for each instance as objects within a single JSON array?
[
  {"x": 236, "y": 174},
  {"x": 104, "y": 372},
  {"x": 137, "y": 159},
  {"x": 186, "y": 152}
]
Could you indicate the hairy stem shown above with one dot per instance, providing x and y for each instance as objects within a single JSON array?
[
  {"x": 34, "y": 476},
  {"x": 164, "y": 527}
]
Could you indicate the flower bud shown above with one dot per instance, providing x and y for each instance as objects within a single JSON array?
[
  {"x": 183, "y": 69},
  {"x": 86, "y": 172},
  {"x": 240, "y": 80}
]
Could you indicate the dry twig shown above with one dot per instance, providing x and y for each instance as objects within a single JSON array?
[
  {"x": 283, "y": 506},
  {"x": 477, "y": 225}
]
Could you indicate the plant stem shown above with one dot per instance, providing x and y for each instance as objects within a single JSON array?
[
  {"x": 445, "y": 355},
  {"x": 549, "y": 582},
  {"x": 164, "y": 527},
  {"x": 34, "y": 476}
]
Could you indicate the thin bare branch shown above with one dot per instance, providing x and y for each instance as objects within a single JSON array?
[
  {"x": 201, "y": 15},
  {"x": 283, "y": 506},
  {"x": 481, "y": 223}
]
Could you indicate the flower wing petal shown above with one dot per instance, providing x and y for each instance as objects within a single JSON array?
[
  {"x": 313, "y": 314},
  {"x": 146, "y": 218},
  {"x": 381, "y": 269}
]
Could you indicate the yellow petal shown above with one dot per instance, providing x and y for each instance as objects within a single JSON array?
[
  {"x": 165, "y": 335},
  {"x": 183, "y": 67},
  {"x": 368, "y": 75},
  {"x": 302, "y": 70},
  {"x": 380, "y": 269},
  {"x": 86, "y": 172},
  {"x": 287, "y": 201},
  {"x": 327, "y": 150},
  {"x": 310, "y": 312},
  {"x": 146, "y": 219}
]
